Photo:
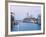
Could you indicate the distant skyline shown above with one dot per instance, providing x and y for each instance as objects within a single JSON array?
[{"x": 21, "y": 11}]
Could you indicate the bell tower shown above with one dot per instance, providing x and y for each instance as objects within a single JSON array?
[{"x": 27, "y": 14}]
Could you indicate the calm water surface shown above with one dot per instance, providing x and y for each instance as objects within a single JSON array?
[{"x": 26, "y": 27}]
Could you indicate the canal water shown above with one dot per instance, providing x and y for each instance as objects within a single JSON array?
[{"x": 26, "y": 27}]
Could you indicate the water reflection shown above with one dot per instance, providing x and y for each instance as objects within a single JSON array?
[{"x": 26, "y": 27}]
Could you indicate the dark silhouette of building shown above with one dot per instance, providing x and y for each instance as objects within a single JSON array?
[{"x": 12, "y": 20}]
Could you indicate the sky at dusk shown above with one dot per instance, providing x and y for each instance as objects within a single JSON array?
[{"x": 21, "y": 11}]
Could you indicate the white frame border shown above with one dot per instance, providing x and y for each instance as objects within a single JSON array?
[{"x": 24, "y": 32}]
